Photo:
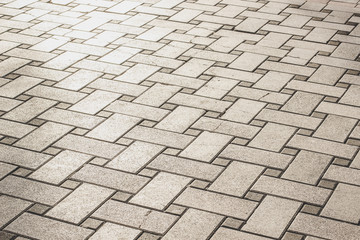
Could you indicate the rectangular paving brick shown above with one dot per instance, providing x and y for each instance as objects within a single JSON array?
[
  {"x": 18, "y": 86},
  {"x": 206, "y": 146},
  {"x": 94, "y": 102},
  {"x": 194, "y": 224},
  {"x": 287, "y": 68},
  {"x": 137, "y": 73},
  {"x": 236, "y": 179},
  {"x": 11, "y": 207},
  {"x": 45, "y": 228},
  {"x": 110, "y": 178},
  {"x": 135, "y": 216},
  {"x": 248, "y": 61},
  {"x": 81, "y": 202},
  {"x": 32, "y": 190},
  {"x": 15, "y": 129},
  {"x": 335, "y": 128},
  {"x": 338, "y": 109},
  {"x": 293, "y": 190},
  {"x": 60, "y": 167},
  {"x": 88, "y": 145},
  {"x": 11, "y": 64},
  {"x": 160, "y": 137},
  {"x": 272, "y": 216},
  {"x": 40, "y": 72},
  {"x": 322, "y": 146},
  {"x": 29, "y": 109},
  {"x": 194, "y": 67},
  {"x": 231, "y": 234},
  {"x": 133, "y": 158},
  {"x": 217, "y": 203},
  {"x": 5, "y": 169},
  {"x": 324, "y": 227},
  {"x": 43, "y": 136},
  {"x": 217, "y": 87},
  {"x": 226, "y": 127},
  {"x": 233, "y": 74},
  {"x": 186, "y": 167},
  {"x": 343, "y": 174},
  {"x": 273, "y": 81},
  {"x": 6, "y": 104},
  {"x": 137, "y": 110},
  {"x": 114, "y": 127},
  {"x": 343, "y": 204},
  {"x": 78, "y": 80},
  {"x": 157, "y": 95},
  {"x": 243, "y": 110},
  {"x": 272, "y": 137},
  {"x": 160, "y": 191},
  {"x": 56, "y": 94},
  {"x": 256, "y": 156},
  {"x": 71, "y": 118},
  {"x": 307, "y": 167},
  {"x": 316, "y": 88},
  {"x": 114, "y": 231}
]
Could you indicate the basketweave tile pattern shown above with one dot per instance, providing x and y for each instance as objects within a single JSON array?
[{"x": 180, "y": 119}]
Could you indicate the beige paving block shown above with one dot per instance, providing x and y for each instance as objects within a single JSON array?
[
  {"x": 6, "y": 104},
  {"x": 243, "y": 110},
  {"x": 57, "y": 94},
  {"x": 71, "y": 118},
  {"x": 90, "y": 146},
  {"x": 114, "y": 231},
  {"x": 15, "y": 129},
  {"x": 287, "y": 68},
  {"x": 64, "y": 60},
  {"x": 32, "y": 190},
  {"x": 217, "y": 87},
  {"x": 256, "y": 156},
  {"x": 206, "y": 146},
  {"x": 293, "y": 190},
  {"x": 185, "y": 15},
  {"x": 123, "y": 7},
  {"x": 45, "y": 228},
  {"x": 287, "y": 118},
  {"x": 60, "y": 167},
  {"x": 22, "y": 157},
  {"x": 217, "y": 203},
  {"x": 137, "y": 73},
  {"x": 236, "y": 179},
  {"x": 43, "y": 136},
  {"x": 110, "y": 178},
  {"x": 136, "y": 156},
  {"x": 230, "y": 234},
  {"x": 157, "y": 95},
  {"x": 248, "y": 61},
  {"x": 199, "y": 102},
  {"x": 101, "y": 66},
  {"x": 272, "y": 216},
  {"x": 180, "y": 119},
  {"x": 134, "y": 216},
  {"x": 272, "y": 137},
  {"x": 113, "y": 128},
  {"x": 335, "y": 128},
  {"x": 94, "y": 102},
  {"x": 80, "y": 203},
  {"x": 327, "y": 75},
  {"x": 44, "y": 73},
  {"x": 343, "y": 204},
  {"x": 78, "y": 80},
  {"x": 338, "y": 109},
  {"x": 194, "y": 224},
  {"x": 356, "y": 162},
  {"x": 258, "y": 94},
  {"x": 302, "y": 103},
  {"x": 11, "y": 207},
  {"x": 18, "y": 86},
  {"x": 186, "y": 167},
  {"x": 160, "y": 137},
  {"x": 273, "y": 81},
  {"x": 351, "y": 96},
  {"x": 5, "y": 169},
  {"x": 11, "y": 64},
  {"x": 137, "y": 110},
  {"x": 322, "y": 146},
  {"x": 30, "y": 109},
  {"x": 324, "y": 227},
  {"x": 226, "y": 127},
  {"x": 316, "y": 88},
  {"x": 160, "y": 191},
  {"x": 307, "y": 167},
  {"x": 194, "y": 67},
  {"x": 343, "y": 174}
]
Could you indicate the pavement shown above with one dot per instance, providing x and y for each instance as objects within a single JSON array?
[{"x": 179, "y": 119}]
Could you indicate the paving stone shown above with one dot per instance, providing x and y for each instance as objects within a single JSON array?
[
  {"x": 236, "y": 179},
  {"x": 327, "y": 75},
  {"x": 44, "y": 136},
  {"x": 110, "y": 178},
  {"x": 44, "y": 228},
  {"x": 194, "y": 224},
  {"x": 226, "y": 233},
  {"x": 60, "y": 167},
  {"x": 11, "y": 207},
  {"x": 307, "y": 167},
  {"x": 157, "y": 95},
  {"x": 135, "y": 156},
  {"x": 81, "y": 202},
  {"x": 248, "y": 61},
  {"x": 243, "y": 110},
  {"x": 6, "y": 169},
  {"x": 56, "y": 94},
  {"x": 18, "y": 86},
  {"x": 186, "y": 167},
  {"x": 40, "y": 72},
  {"x": 292, "y": 190},
  {"x": 88, "y": 145},
  {"x": 272, "y": 216},
  {"x": 302, "y": 102},
  {"x": 114, "y": 231},
  {"x": 343, "y": 174},
  {"x": 135, "y": 216},
  {"x": 350, "y": 96},
  {"x": 206, "y": 146},
  {"x": 14, "y": 129},
  {"x": 31, "y": 190},
  {"x": 160, "y": 191},
  {"x": 335, "y": 128},
  {"x": 217, "y": 203}
]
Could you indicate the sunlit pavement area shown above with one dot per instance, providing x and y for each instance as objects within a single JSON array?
[{"x": 179, "y": 119}]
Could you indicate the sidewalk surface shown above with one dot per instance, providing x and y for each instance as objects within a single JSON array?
[{"x": 179, "y": 119}]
